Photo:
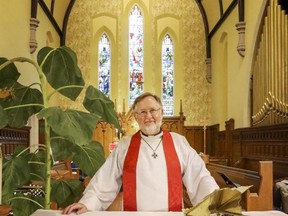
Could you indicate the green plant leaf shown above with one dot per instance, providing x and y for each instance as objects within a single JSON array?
[
  {"x": 89, "y": 157},
  {"x": 61, "y": 148},
  {"x": 61, "y": 69},
  {"x": 65, "y": 191},
  {"x": 74, "y": 125},
  {"x": 37, "y": 165},
  {"x": 3, "y": 117},
  {"x": 23, "y": 206},
  {"x": 96, "y": 102},
  {"x": 16, "y": 173},
  {"x": 20, "y": 95},
  {"x": 8, "y": 72}
]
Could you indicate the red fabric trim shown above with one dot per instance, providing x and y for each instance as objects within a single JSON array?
[
  {"x": 173, "y": 173},
  {"x": 129, "y": 174}
]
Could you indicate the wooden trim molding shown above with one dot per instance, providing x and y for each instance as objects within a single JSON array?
[{"x": 241, "y": 26}]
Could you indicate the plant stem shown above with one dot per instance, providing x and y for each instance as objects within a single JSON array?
[
  {"x": 30, "y": 200},
  {"x": 18, "y": 59},
  {"x": 23, "y": 105},
  {"x": 48, "y": 166}
]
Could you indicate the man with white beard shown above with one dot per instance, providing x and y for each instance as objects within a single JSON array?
[{"x": 151, "y": 167}]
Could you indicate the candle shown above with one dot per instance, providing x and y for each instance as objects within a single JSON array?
[
  {"x": 123, "y": 106},
  {"x": 204, "y": 128},
  {"x": 204, "y": 132}
]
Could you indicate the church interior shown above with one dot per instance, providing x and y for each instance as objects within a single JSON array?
[{"x": 226, "y": 91}]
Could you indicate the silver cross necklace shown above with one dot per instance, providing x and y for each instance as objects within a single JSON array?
[{"x": 154, "y": 155}]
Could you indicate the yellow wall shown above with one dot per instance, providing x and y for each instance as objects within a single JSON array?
[
  {"x": 15, "y": 36},
  {"x": 214, "y": 12},
  {"x": 235, "y": 102}
]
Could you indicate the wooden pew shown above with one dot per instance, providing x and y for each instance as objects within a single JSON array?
[{"x": 260, "y": 196}]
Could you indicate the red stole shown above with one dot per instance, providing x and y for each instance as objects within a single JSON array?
[{"x": 173, "y": 173}]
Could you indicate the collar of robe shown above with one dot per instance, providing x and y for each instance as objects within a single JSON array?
[{"x": 160, "y": 132}]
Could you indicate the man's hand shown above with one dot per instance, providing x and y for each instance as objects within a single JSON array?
[{"x": 77, "y": 208}]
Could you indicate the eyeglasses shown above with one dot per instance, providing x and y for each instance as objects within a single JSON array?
[{"x": 152, "y": 112}]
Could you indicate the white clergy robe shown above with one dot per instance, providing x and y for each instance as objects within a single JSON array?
[{"x": 151, "y": 178}]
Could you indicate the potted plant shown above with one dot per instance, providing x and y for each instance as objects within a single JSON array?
[{"x": 68, "y": 132}]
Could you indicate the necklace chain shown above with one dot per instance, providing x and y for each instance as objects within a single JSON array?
[{"x": 154, "y": 155}]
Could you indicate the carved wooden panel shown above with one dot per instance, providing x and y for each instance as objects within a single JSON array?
[
  {"x": 105, "y": 134},
  {"x": 194, "y": 135},
  {"x": 128, "y": 123},
  {"x": 262, "y": 143},
  {"x": 212, "y": 139}
]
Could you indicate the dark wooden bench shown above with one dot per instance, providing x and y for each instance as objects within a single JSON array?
[{"x": 260, "y": 196}]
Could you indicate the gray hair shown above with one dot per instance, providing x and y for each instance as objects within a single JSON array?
[{"x": 144, "y": 95}]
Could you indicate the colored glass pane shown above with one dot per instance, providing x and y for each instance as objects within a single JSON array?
[
  {"x": 168, "y": 75},
  {"x": 136, "y": 76},
  {"x": 104, "y": 65}
]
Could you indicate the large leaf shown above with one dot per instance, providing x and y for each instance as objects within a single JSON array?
[
  {"x": 96, "y": 102},
  {"x": 65, "y": 191},
  {"x": 74, "y": 125},
  {"x": 8, "y": 72},
  {"x": 60, "y": 68},
  {"x": 16, "y": 173},
  {"x": 19, "y": 95},
  {"x": 61, "y": 148},
  {"x": 23, "y": 205},
  {"x": 3, "y": 117},
  {"x": 89, "y": 157},
  {"x": 37, "y": 165}
]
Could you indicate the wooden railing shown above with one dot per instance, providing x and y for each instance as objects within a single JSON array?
[
  {"x": 245, "y": 147},
  {"x": 250, "y": 145},
  {"x": 10, "y": 138}
]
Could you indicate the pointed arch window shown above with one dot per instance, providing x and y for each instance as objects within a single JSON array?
[
  {"x": 104, "y": 65},
  {"x": 168, "y": 75},
  {"x": 136, "y": 76}
]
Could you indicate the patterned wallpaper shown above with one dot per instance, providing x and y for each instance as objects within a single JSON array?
[{"x": 196, "y": 90}]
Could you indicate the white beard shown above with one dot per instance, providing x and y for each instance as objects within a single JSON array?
[{"x": 151, "y": 129}]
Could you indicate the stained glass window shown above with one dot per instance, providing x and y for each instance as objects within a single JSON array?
[
  {"x": 136, "y": 76},
  {"x": 104, "y": 65},
  {"x": 168, "y": 75}
]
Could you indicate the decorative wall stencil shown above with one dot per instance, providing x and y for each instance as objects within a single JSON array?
[{"x": 191, "y": 35}]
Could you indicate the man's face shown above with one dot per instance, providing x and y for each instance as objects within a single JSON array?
[{"x": 149, "y": 114}]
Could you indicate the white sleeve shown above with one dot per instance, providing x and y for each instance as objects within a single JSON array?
[
  {"x": 196, "y": 178},
  {"x": 106, "y": 183}
]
